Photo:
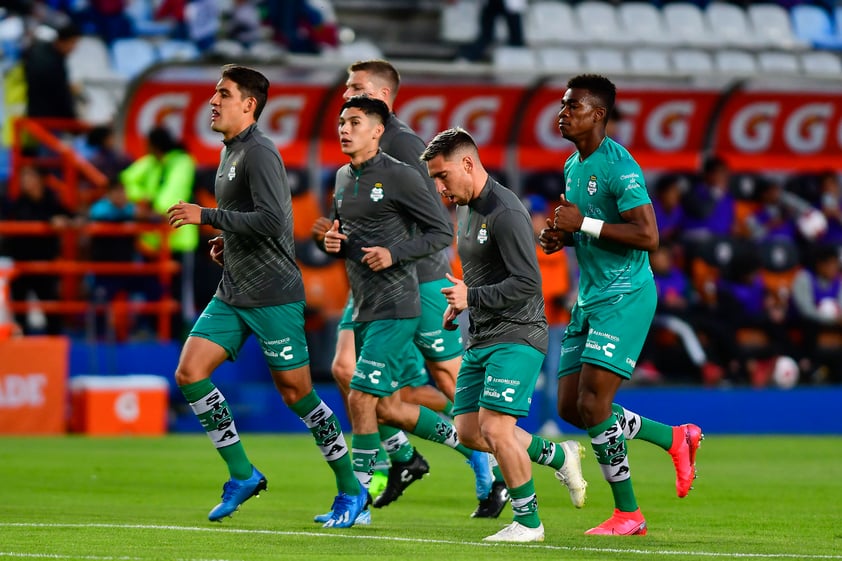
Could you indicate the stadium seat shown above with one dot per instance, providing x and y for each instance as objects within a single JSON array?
[
  {"x": 228, "y": 48},
  {"x": 599, "y": 23},
  {"x": 730, "y": 61},
  {"x": 692, "y": 61},
  {"x": 730, "y": 26},
  {"x": 649, "y": 61},
  {"x": 687, "y": 21},
  {"x": 174, "y": 49},
  {"x": 267, "y": 50},
  {"x": 90, "y": 59},
  {"x": 814, "y": 25},
  {"x": 604, "y": 59},
  {"x": 643, "y": 23},
  {"x": 460, "y": 21},
  {"x": 547, "y": 22},
  {"x": 821, "y": 63},
  {"x": 513, "y": 59},
  {"x": 132, "y": 56},
  {"x": 559, "y": 59},
  {"x": 777, "y": 62},
  {"x": 772, "y": 24}
]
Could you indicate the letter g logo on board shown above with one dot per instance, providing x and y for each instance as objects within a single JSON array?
[{"x": 752, "y": 127}]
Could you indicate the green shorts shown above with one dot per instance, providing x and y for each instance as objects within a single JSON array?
[
  {"x": 279, "y": 330},
  {"x": 610, "y": 334},
  {"x": 382, "y": 348},
  {"x": 500, "y": 378},
  {"x": 436, "y": 343}
]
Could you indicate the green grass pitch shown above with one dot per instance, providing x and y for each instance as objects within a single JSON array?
[{"x": 125, "y": 499}]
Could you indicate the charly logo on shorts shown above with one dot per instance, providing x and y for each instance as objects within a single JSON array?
[
  {"x": 377, "y": 192},
  {"x": 232, "y": 173},
  {"x": 482, "y": 235},
  {"x": 592, "y": 185}
]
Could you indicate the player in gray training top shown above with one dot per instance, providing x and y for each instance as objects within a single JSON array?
[
  {"x": 261, "y": 293},
  {"x": 508, "y": 330}
]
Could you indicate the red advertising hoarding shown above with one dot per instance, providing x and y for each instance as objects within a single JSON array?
[{"x": 763, "y": 130}]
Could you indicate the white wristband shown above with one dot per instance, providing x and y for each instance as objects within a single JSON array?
[{"x": 592, "y": 226}]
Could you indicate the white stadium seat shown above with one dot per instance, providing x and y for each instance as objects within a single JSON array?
[
  {"x": 599, "y": 23},
  {"x": 643, "y": 23},
  {"x": 821, "y": 63},
  {"x": 776, "y": 62},
  {"x": 692, "y": 62},
  {"x": 132, "y": 56},
  {"x": 729, "y": 25},
  {"x": 559, "y": 59},
  {"x": 604, "y": 60},
  {"x": 687, "y": 21},
  {"x": 649, "y": 61},
  {"x": 773, "y": 25},
  {"x": 549, "y": 23},
  {"x": 460, "y": 21},
  {"x": 728, "y": 61}
]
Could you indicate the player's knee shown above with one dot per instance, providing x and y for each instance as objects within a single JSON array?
[
  {"x": 185, "y": 375},
  {"x": 342, "y": 372}
]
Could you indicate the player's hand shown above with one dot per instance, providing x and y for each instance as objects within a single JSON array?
[
  {"x": 181, "y": 214},
  {"x": 448, "y": 320},
  {"x": 320, "y": 226},
  {"x": 333, "y": 238},
  {"x": 551, "y": 239},
  {"x": 217, "y": 246},
  {"x": 567, "y": 217},
  {"x": 456, "y": 295},
  {"x": 377, "y": 258}
]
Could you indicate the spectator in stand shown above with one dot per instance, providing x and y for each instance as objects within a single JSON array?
[
  {"x": 773, "y": 218},
  {"x": 831, "y": 206},
  {"x": 202, "y": 20},
  {"x": 817, "y": 295},
  {"x": 675, "y": 313},
  {"x": 744, "y": 304},
  {"x": 512, "y": 11},
  {"x": 166, "y": 174},
  {"x": 709, "y": 208},
  {"x": 303, "y": 26},
  {"x": 104, "y": 154},
  {"x": 107, "y": 19},
  {"x": 36, "y": 202},
  {"x": 49, "y": 90},
  {"x": 242, "y": 23},
  {"x": 667, "y": 205}
]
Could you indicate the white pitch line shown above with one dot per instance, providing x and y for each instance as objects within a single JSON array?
[{"x": 548, "y": 547}]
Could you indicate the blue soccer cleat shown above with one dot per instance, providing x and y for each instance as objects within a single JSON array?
[
  {"x": 237, "y": 491},
  {"x": 479, "y": 462},
  {"x": 347, "y": 509}
]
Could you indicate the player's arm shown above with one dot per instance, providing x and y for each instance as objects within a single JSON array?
[
  {"x": 428, "y": 213},
  {"x": 515, "y": 238},
  {"x": 268, "y": 184}
]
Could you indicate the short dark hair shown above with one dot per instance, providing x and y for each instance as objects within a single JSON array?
[
  {"x": 448, "y": 142},
  {"x": 599, "y": 86},
  {"x": 162, "y": 139},
  {"x": 251, "y": 83},
  {"x": 382, "y": 69},
  {"x": 369, "y": 106}
]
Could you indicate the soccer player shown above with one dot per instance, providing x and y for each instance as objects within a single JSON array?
[
  {"x": 261, "y": 293},
  {"x": 617, "y": 298},
  {"x": 441, "y": 350},
  {"x": 508, "y": 330},
  {"x": 379, "y": 203}
]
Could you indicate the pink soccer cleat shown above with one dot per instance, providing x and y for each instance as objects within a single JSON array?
[
  {"x": 621, "y": 524},
  {"x": 685, "y": 442}
]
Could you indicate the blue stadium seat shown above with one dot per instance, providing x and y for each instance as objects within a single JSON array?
[{"x": 815, "y": 25}]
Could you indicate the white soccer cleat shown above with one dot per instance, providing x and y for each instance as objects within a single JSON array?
[
  {"x": 570, "y": 474},
  {"x": 518, "y": 533}
]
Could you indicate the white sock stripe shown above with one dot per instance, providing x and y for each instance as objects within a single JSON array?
[{"x": 318, "y": 415}]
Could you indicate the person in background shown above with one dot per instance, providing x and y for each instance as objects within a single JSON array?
[
  {"x": 36, "y": 202},
  {"x": 511, "y": 11},
  {"x": 817, "y": 296},
  {"x": 709, "y": 207},
  {"x": 667, "y": 206},
  {"x": 261, "y": 293},
  {"x": 49, "y": 90},
  {"x": 166, "y": 174}
]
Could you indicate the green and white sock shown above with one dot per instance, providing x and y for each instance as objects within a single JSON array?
[
  {"x": 495, "y": 469},
  {"x": 324, "y": 426},
  {"x": 435, "y": 428},
  {"x": 395, "y": 443},
  {"x": 365, "y": 450},
  {"x": 609, "y": 446},
  {"x": 635, "y": 426},
  {"x": 210, "y": 407},
  {"x": 525, "y": 505},
  {"x": 545, "y": 452}
]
